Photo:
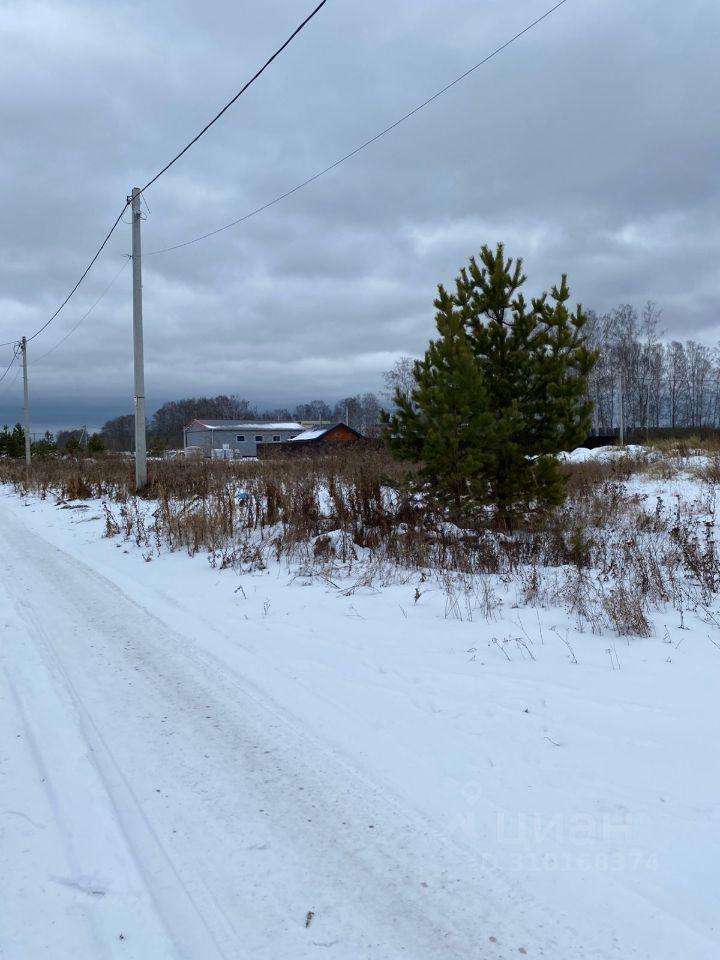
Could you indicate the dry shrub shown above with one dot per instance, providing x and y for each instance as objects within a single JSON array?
[
  {"x": 624, "y": 608},
  {"x": 709, "y": 471},
  {"x": 603, "y": 555}
]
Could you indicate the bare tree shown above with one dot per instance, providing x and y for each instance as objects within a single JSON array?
[
  {"x": 119, "y": 433},
  {"x": 168, "y": 421},
  {"x": 401, "y": 377},
  {"x": 316, "y": 411},
  {"x": 676, "y": 381}
]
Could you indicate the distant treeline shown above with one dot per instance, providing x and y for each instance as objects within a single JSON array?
[
  {"x": 665, "y": 385},
  {"x": 362, "y": 412},
  {"x": 668, "y": 387},
  {"x": 12, "y": 442}
]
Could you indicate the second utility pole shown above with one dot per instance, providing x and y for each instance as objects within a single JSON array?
[
  {"x": 26, "y": 401},
  {"x": 140, "y": 442}
]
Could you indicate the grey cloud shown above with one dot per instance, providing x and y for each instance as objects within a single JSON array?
[{"x": 591, "y": 146}]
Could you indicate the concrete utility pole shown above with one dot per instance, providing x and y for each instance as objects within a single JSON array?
[
  {"x": 622, "y": 414},
  {"x": 140, "y": 440},
  {"x": 26, "y": 401}
]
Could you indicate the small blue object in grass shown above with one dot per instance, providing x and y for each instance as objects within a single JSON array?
[{"x": 241, "y": 496}]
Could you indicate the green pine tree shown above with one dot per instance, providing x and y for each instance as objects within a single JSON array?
[
  {"x": 96, "y": 444},
  {"x": 522, "y": 374},
  {"x": 442, "y": 424},
  {"x": 44, "y": 447},
  {"x": 12, "y": 442}
]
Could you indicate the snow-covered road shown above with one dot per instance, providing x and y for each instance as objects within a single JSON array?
[{"x": 154, "y": 803}]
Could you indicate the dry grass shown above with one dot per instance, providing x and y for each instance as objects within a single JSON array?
[{"x": 606, "y": 555}]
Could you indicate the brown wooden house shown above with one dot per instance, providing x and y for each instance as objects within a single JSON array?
[{"x": 316, "y": 440}]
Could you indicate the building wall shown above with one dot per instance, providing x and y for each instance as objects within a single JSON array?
[
  {"x": 338, "y": 433},
  {"x": 248, "y": 447},
  {"x": 196, "y": 437},
  {"x": 341, "y": 439}
]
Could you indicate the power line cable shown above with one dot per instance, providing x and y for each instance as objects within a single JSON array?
[
  {"x": 367, "y": 143},
  {"x": 87, "y": 312},
  {"x": 85, "y": 272},
  {"x": 176, "y": 158},
  {"x": 7, "y": 369},
  {"x": 240, "y": 92},
  {"x": 11, "y": 383}
]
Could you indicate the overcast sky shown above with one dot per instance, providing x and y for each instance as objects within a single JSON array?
[{"x": 591, "y": 146}]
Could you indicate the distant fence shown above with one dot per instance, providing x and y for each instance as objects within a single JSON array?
[
  {"x": 643, "y": 434},
  {"x": 316, "y": 448},
  {"x": 600, "y": 440}
]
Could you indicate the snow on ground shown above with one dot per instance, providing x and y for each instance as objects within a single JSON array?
[
  {"x": 584, "y": 454},
  {"x": 199, "y": 764}
]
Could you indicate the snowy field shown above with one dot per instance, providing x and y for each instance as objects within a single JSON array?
[{"x": 203, "y": 764}]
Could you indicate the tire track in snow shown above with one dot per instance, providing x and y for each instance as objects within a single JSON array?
[
  {"x": 72, "y": 858},
  {"x": 185, "y": 924},
  {"x": 402, "y": 890}
]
